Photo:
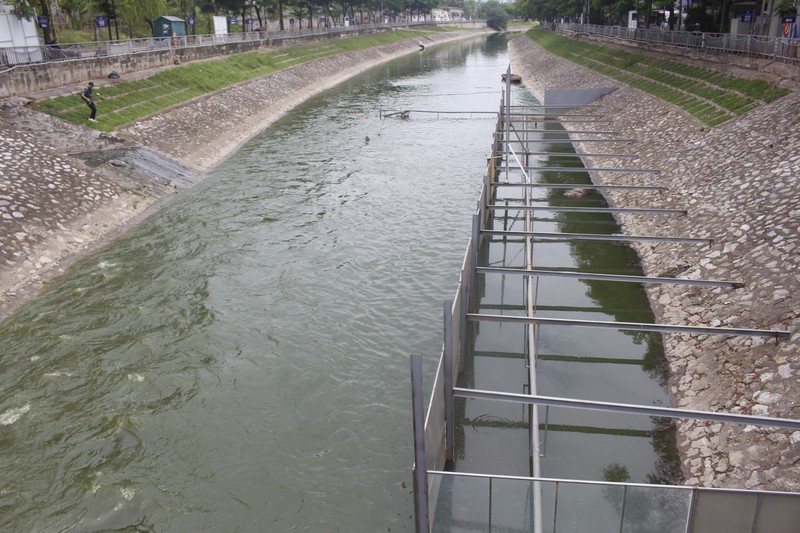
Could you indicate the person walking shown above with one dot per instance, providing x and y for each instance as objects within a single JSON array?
[{"x": 87, "y": 97}]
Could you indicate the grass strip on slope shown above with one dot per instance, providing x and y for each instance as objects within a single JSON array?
[
  {"x": 710, "y": 96},
  {"x": 127, "y": 102}
]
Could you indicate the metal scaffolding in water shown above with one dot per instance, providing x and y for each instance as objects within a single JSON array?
[{"x": 550, "y": 504}]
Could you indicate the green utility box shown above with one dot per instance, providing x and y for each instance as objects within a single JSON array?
[{"x": 169, "y": 27}]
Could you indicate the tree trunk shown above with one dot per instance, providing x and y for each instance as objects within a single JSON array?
[{"x": 49, "y": 32}]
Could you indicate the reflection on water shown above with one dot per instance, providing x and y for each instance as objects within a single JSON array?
[{"x": 593, "y": 364}]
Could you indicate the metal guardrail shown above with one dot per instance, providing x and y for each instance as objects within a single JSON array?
[
  {"x": 448, "y": 501},
  {"x": 483, "y": 504},
  {"x": 26, "y": 55},
  {"x": 778, "y": 48}
]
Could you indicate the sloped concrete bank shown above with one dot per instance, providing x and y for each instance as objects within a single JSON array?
[
  {"x": 740, "y": 182},
  {"x": 54, "y": 208}
]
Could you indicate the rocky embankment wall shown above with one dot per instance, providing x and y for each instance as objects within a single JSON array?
[
  {"x": 54, "y": 207},
  {"x": 740, "y": 183}
]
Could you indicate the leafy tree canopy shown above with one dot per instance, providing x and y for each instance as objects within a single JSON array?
[{"x": 496, "y": 17}]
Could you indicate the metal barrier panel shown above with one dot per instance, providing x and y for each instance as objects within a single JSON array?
[
  {"x": 487, "y": 503},
  {"x": 435, "y": 422},
  {"x": 724, "y": 511},
  {"x": 778, "y": 513},
  {"x": 463, "y": 504}
]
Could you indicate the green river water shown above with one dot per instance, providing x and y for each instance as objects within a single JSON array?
[{"x": 239, "y": 361}]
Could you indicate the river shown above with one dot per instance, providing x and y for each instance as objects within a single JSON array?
[{"x": 239, "y": 360}]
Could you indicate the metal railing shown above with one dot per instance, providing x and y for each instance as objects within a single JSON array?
[
  {"x": 446, "y": 500},
  {"x": 483, "y": 502},
  {"x": 25, "y": 55},
  {"x": 770, "y": 47}
]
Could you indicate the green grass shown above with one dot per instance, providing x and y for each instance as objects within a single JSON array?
[
  {"x": 710, "y": 96},
  {"x": 127, "y": 102}
]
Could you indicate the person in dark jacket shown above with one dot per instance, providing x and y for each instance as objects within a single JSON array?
[{"x": 87, "y": 97}]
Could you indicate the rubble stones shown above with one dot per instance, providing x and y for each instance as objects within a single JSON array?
[{"x": 740, "y": 183}]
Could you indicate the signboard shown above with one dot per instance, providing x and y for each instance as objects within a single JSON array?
[
  {"x": 291, "y": 22},
  {"x": 220, "y": 25},
  {"x": 787, "y": 25},
  {"x": 190, "y": 20},
  {"x": 233, "y": 21},
  {"x": 101, "y": 22},
  {"x": 43, "y": 22},
  {"x": 747, "y": 16},
  {"x": 250, "y": 22}
]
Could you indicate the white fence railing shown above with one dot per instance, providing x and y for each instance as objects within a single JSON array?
[
  {"x": 772, "y": 47},
  {"x": 69, "y": 51}
]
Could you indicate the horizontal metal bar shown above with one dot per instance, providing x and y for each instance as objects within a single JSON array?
[
  {"x": 533, "y": 116},
  {"x": 590, "y": 169},
  {"x": 615, "y": 483},
  {"x": 608, "y": 277},
  {"x": 579, "y": 186},
  {"x": 565, "y": 141},
  {"x": 629, "y": 326},
  {"x": 647, "y": 410},
  {"x": 547, "y": 121},
  {"x": 564, "y": 132},
  {"x": 575, "y": 154},
  {"x": 643, "y": 210},
  {"x": 559, "y": 106},
  {"x": 596, "y": 236},
  {"x": 451, "y": 112},
  {"x": 384, "y": 111}
]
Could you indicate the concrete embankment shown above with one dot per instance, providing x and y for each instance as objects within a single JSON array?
[
  {"x": 54, "y": 207},
  {"x": 740, "y": 183}
]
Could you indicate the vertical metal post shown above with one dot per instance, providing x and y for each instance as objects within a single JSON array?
[
  {"x": 622, "y": 512},
  {"x": 490, "y": 504},
  {"x": 448, "y": 381},
  {"x": 756, "y": 513},
  {"x": 507, "y": 124},
  {"x": 420, "y": 468},
  {"x": 476, "y": 239},
  {"x": 466, "y": 297},
  {"x": 555, "y": 507},
  {"x": 692, "y": 505},
  {"x": 544, "y": 440}
]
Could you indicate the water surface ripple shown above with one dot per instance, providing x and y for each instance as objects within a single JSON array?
[{"x": 238, "y": 362}]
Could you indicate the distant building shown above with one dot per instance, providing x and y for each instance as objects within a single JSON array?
[{"x": 443, "y": 14}]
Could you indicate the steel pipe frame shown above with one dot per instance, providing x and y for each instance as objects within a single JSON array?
[
  {"x": 544, "y": 114},
  {"x": 622, "y": 278},
  {"x": 590, "y": 169},
  {"x": 596, "y": 236},
  {"x": 581, "y": 186},
  {"x": 626, "y": 408},
  {"x": 643, "y": 210},
  {"x": 564, "y": 141},
  {"x": 602, "y": 483},
  {"x": 630, "y": 326},
  {"x": 547, "y": 121},
  {"x": 564, "y": 132},
  {"x": 574, "y": 154}
]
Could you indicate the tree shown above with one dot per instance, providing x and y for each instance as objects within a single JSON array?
[
  {"x": 27, "y": 9},
  {"x": 496, "y": 17},
  {"x": 137, "y": 13},
  {"x": 109, "y": 9}
]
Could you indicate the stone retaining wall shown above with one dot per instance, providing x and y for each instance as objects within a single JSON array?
[
  {"x": 740, "y": 182},
  {"x": 29, "y": 79}
]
